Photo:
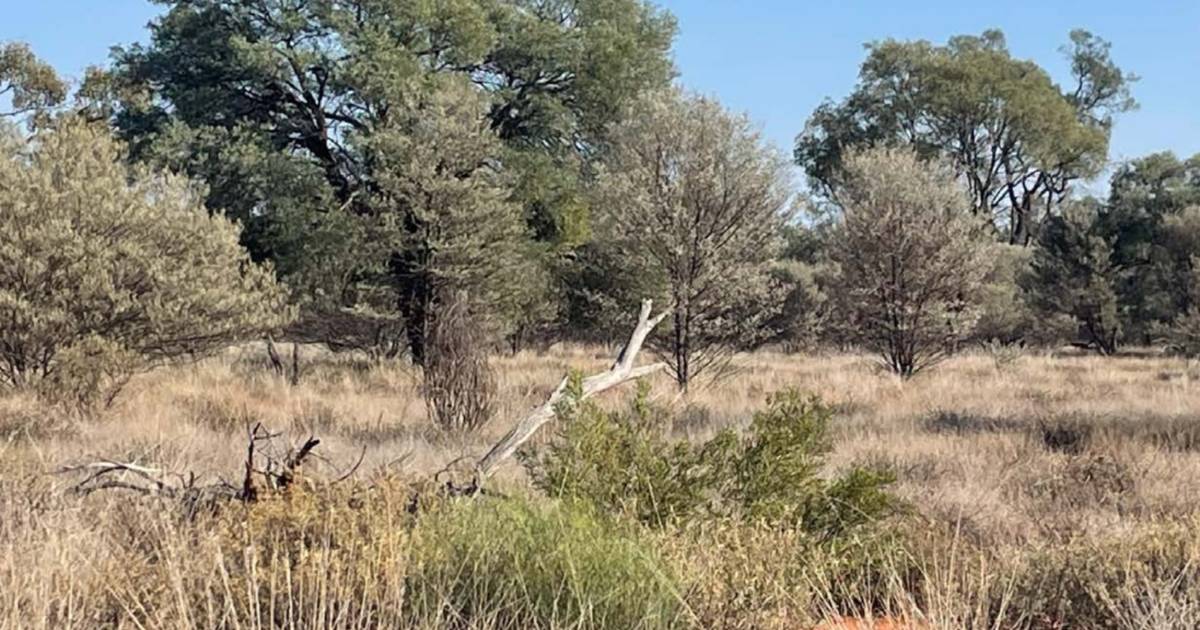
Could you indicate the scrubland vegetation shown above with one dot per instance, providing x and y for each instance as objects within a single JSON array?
[
  {"x": 1055, "y": 491},
  {"x": 280, "y": 287}
]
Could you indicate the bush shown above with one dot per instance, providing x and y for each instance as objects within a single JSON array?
[
  {"x": 912, "y": 258},
  {"x": 105, "y": 270},
  {"x": 1004, "y": 316},
  {"x": 517, "y": 564},
  {"x": 1072, "y": 274},
  {"x": 621, "y": 462},
  {"x": 1183, "y": 334}
]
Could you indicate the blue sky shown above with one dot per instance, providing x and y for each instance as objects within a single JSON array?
[{"x": 778, "y": 59}]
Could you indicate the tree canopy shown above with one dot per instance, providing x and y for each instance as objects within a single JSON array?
[
  {"x": 1015, "y": 138},
  {"x": 697, "y": 199},
  {"x": 911, "y": 258},
  {"x": 309, "y": 79},
  {"x": 28, "y": 83},
  {"x": 281, "y": 107}
]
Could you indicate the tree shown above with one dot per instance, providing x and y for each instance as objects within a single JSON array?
[
  {"x": 696, "y": 199},
  {"x": 1015, "y": 138},
  {"x": 28, "y": 83},
  {"x": 1004, "y": 315},
  {"x": 911, "y": 257},
  {"x": 297, "y": 89},
  {"x": 106, "y": 269},
  {"x": 1183, "y": 333},
  {"x": 1073, "y": 274},
  {"x": 444, "y": 209},
  {"x": 1146, "y": 219}
]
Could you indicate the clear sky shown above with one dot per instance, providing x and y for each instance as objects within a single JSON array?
[{"x": 778, "y": 59}]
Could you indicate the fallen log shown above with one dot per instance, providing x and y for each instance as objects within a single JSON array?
[{"x": 622, "y": 371}]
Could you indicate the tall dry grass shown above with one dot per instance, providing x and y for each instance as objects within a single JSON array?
[{"x": 1047, "y": 488}]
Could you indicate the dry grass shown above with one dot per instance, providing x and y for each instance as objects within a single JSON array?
[{"x": 1049, "y": 456}]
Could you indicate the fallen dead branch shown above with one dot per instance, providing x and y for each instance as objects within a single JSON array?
[
  {"x": 622, "y": 371},
  {"x": 268, "y": 468}
]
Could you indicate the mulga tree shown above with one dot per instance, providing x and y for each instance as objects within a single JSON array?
[
  {"x": 696, "y": 198},
  {"x": 106, "y": 270},
  {"x": 911, "y": 257}
]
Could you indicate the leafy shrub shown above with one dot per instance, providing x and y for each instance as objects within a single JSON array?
[
  {"x": 106, "y": 269},
  {"x": 1004, "y": 316},
  {"x": 1183, "y": 334},
  {"x": 1072, "y": 274},
  {"x": 519, "y": 564},
  {"x": 622, "y": 462}
]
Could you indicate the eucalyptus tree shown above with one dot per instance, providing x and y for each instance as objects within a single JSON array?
[
  {"x": 275, "y": 103},
  {"x": 1016, "y": 138},
  {"x": 28, "y": 84}
]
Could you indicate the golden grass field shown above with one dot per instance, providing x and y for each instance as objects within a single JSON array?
[{"x": 1052, "y": 458}]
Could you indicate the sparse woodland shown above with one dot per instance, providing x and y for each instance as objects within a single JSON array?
[{"x": 362, "y": 313}]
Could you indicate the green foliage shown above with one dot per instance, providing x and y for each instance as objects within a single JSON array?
[
  {"x": 1008, "y": 130},
  {"x": 620, "y": 461},
  {"x": 443, "y": 210},
  {"x": 29, "y": 84},
  {"x": 599, "y": 284},
  {"x": 807, "y": 316},
  {"x": 778, "y": 472},
  {"x": 1073, "y": 274},
  {"x": 289, "y": 111},
  {"x": 106, "y": 269},
  {"x": 1004, "y": 315},
  {"x": 1123, "y": 270},
  {"x": 1154, "y": 232},
  {"x": 521, "y": 564},
  {"x": 1183, "y": 333}
]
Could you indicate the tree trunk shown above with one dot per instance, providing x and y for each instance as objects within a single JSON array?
[
  {"x": 681, "y": 350},
  {"x": 415, "y": 301}
]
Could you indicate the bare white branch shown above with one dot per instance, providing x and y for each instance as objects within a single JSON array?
[{"x": 621, "y": 371}]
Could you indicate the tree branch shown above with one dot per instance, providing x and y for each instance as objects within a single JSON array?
[{"x": 621, "y": 371}]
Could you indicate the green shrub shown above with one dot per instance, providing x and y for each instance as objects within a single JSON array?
[
  {"x": 107, "y": 269},
  {"x": 521, "y": 564},
  {"x": 325, "y": 556},
  {"x": 621, "y": 461}
]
